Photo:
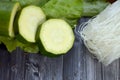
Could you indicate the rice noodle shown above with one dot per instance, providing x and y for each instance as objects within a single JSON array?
[{"x": 101, "y": 35}]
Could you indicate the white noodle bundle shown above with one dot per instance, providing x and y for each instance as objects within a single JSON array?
[{"x": 101, "y": 35}]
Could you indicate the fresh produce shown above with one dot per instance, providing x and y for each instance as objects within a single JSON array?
[
  {"x": 72, "y": 10},
  {"x": 32, "y": 2},
  {"x": 29, "y": 20},
  {"x": 101, "y": 34},
  {"x": 92, "y": 8},
  {"x": 55, "y": 37},
  {"x": 7, "y": 15},
  {"x": 13, "y": 43},
  {"x": 4, "y": 0}
]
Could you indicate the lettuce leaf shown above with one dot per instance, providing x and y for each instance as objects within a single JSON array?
[
  {"x": 94, "y": 7},
  {"x": 33, "y": 2},
  {"x": 12, "y": 43},
  {"x": 72, "y": 10}
]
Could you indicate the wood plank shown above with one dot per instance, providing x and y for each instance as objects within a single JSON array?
[
  {"x": 94, "y": 68},
  {"x": 75, "y": 61},
  {"x": 4, "y": 65},
  {"x": 43, "y": 68},
  {"x": 87, "y": 67},
  {"x": 17, "y": 65},
  {"x": 111, "y": 72},
  {"x": 79, "y": 60},
  {"x": 75, "y": 64}
]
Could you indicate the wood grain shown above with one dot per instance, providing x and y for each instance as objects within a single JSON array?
[
  {"x": 111, "y": 72},
  {"x": 17, "y": 65},
  {"x": 4, "y": 65},
  {"x": 75, "y": 64},
  {"x": 42, "y": 68}
]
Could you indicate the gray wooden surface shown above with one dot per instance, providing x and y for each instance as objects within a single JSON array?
[{"x": 77, "y": 64}]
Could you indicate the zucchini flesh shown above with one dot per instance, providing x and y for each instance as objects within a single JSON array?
[
  {"x": 56, "y": 37},
  {"x": 30, "y": 18},
  {"x": 8, "y": 11}
]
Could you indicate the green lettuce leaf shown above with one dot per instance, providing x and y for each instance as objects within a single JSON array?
[
  {"x": 11, "y": 45},
  {"x": 94, "y": 7},
  {"x": 33, "y": 2},
  {"x": 72, "y": 10}
]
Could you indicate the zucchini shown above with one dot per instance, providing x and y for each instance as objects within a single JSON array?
[
  {"x": 29, "y": 20},
  {"x": 56, "y": 37},
  {"x": 8, "y": 11}
]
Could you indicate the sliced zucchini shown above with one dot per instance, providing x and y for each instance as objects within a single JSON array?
[
  {"x": 8, "y": 11},
  {"x": 30, "y": 18},
  {"x": 56, "y": 37}
]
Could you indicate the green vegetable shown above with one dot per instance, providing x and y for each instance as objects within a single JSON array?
[
  {"x": 69, "y": 10},
  {"x": 12, "y": 43},
  {"x": 33, "y": 2},
  {"x": 8, "y": 11},
  {"x": 93, "y": 8},
  {"x": 55, "y": 37},
  {"x": 30, "y": 18},
  {"x": 4, "y": 0},
  {"x": 72, "y": 10}
]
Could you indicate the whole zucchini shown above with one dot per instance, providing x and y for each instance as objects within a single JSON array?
[{"x": 8, "y": 11}]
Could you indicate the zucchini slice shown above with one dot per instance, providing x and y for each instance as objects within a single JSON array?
[
  {"x": 56, "y": 37},
  {"x": 8, "y": 11},
  {"x": 30, "y": 18}
]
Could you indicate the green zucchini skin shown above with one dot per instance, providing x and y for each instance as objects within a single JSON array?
[
  {"x": 15, "y": 25},
  {"x": 55, "y": 44},
  {"x": 41, "y": 47},
  {"x": 16, "y": 29},
  {"x": 6, "y": 9},
  {"x": 21, "y": 39},
  {"x": 44, "y": 52}
]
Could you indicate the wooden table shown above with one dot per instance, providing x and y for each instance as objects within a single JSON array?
[{"x": 78, "y": 64}]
